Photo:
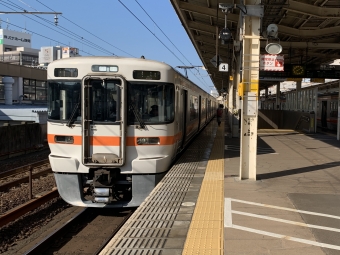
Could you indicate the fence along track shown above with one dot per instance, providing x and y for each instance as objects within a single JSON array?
[
  {"x": 20, "y": 170},
  {"x": 19, "y": 138},
  {"x": 24, "y": 168}
]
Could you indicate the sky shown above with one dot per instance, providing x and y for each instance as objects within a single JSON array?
[{"x": 107, "y": 27}]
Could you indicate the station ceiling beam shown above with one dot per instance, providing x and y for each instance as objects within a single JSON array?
[
  {"x": 313, "y": 10},
  {"x": 308, "y": 33},
  {"x": 185, "y": 6}
]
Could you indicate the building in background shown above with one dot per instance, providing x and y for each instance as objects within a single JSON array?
[
  {"x": 29, "y": 86},
  {"x": 50, "y": 53},
  {"x": 15, "y": 48},
  {"x": 23, "y": 76}
]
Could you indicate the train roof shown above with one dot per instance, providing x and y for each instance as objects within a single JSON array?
[
  {"x": 107, "y": 58},
  {"x": 145, "y": 63}
]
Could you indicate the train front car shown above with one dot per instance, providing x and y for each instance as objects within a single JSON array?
[{"x": 110, "y": 128}]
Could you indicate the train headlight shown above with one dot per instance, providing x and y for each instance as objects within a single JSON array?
[
  {"x": 63, "y": 139},
  {"x": 148, "y": 140}
]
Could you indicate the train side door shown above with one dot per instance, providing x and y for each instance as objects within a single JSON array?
[
  {"x": 184, "y": 115},
  {"x": 324, "y": 114},
  {"x": 199, "y": 112},
  {"x": 103, "y": 121}
]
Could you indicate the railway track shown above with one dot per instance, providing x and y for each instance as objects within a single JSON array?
[
  {"x": 17, "y": 212},
  {"x": 88, "y": 232},
  {"x": 18, "y": 176},
  {"x": 99, "y": 225},
  {"x": 23, "y": 174}
]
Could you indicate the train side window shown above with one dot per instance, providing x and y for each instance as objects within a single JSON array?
[
  {"x": 193, "y": 107},
  {"x": 334, "y": 114}
]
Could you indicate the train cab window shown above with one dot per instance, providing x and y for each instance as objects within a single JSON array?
[
  {"x": 150, "y": 102},
  {"x": 63, "y": 98},
  {"x": 103, "y": 100}
]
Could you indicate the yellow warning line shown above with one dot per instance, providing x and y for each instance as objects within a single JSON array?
[{"x": 205, "y": 234}]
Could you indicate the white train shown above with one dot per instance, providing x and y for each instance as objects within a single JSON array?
[{"x": 115, "y": 125}]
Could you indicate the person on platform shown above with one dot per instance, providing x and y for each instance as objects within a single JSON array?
[{"x": 219, "y": 114}]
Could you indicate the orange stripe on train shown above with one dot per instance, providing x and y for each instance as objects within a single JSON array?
[{"x": 114, "y": 140}]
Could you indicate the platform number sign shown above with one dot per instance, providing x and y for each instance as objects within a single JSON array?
[{"x": 223, "y": 67}]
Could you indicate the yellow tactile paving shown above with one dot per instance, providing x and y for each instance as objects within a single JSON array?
[
  {"x": 203, "y": 242},
  {"x": 205, "y": 235},
  {"x": 210, "y": 206},
  {"x": 196, "y": 251},
  {"x": 202, "y": 215},
  {"x": 205, "y": 224}
]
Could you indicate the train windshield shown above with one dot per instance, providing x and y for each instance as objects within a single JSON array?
[
  {"x": 63, "y": 99},
  {"x": 150, "y": 102}
]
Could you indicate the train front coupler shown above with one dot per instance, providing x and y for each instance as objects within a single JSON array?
[{"x": 102, "y": 186}]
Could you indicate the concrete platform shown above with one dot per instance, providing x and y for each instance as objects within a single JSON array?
[{"x": 292, "y": 208}]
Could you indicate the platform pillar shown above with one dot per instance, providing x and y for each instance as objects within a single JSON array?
[
  {"x": 338, "y": 126},
  {"x": 250, "y": 87},
  {"x": 234, "y": 110},
  {"x": 298, "y": 96},
  {"x": 278, "y": 106},
  {"x": 266, "y": 96}
]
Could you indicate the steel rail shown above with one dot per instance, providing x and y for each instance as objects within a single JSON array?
[
  {"x": 15, "y": 213},
  {"x": 44, "y": 244},
  {"x": 25, "y": 179},
  {"x": 23, "y": 168}
]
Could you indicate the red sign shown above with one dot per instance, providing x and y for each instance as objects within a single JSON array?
[{"x": 270, "y": 62}]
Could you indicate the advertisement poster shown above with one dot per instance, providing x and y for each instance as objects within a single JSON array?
[{"x": 270, "y": 62}]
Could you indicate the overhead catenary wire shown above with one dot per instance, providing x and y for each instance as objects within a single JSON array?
[
  {"x": 57, "y": 41},
  {"x": 170, "y": 41},
  {"x": 63, "y": 31},
  {"x": 153, "y": 34},
  {"x": 150, "y": 31},
  {"x": 162, "y": 31},
  {"x": 89, "y": 44},
  {"x": 87, "y": 31}
]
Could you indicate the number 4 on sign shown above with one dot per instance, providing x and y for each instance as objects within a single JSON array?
[{"x": 223, "y": 67}]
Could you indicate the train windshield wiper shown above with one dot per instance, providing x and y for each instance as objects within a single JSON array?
[
  {"x": 71, "y": 119},
  {"x": 137, "y": 116}
]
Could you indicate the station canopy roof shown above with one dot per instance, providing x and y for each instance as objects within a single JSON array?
[{"x": 308, "y": 31}]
